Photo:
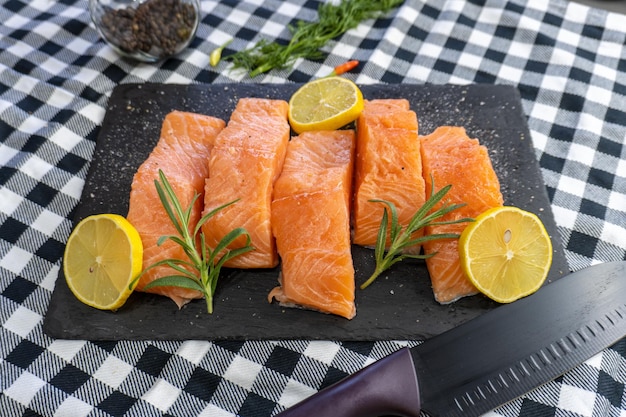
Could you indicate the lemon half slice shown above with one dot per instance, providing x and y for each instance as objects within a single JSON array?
[
  {"x": 506, "y": 253},
  {"x": 325, "y": 104},
  {"x": 103, "y": 255}
]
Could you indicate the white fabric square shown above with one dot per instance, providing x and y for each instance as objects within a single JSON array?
[
  {"x": 382, "y": 59},
  {"x": 394, "y": 36},
  {"x": 66, "y": 349},
  {"x": 595, "y": 361},
  {"x": 344, "y": 51},
  {"x": 93, "y": 112},
  {"x": 47, "y": 29},
  {"x": 214, "y": 411},
  {"x": 242, "y": 372},
  {"x": 409, "y": 14},
  {"x": 144, "y": 72},
  {"x": 539, "y": 140},
  {"x": 562, "y": 57},
  {"x": 47, "y": 222},
  {"x": 288, "y": 9},
  {"x": 9, "y": 201},
  {"x": 581, "y": 153},
  {"x": 193, "y": 350},
  {"x": 25, "y": 84},
  {"x": 544, "y": 112},
  {"x": 239, "y": 17},
  {"x": 568, "y": 37},
  {"x": 430, "y": 50},
  {"x": 554, "y": 83},
  {"x": 294, "y": 392},
  {"x": 113, "y": 371},
  {"x": 564, "y": 217},
  {"x": 24, "y": 389},
  {"x": 60, "y": 98},
  {"x": 614, "y": 234},
  {"x": 617, "y": 201},
  {"x": 520, "y": 49},
  {"x": 511, "y": 74},
  {"x": 606, "y": 72},
  {"x": 620, "y": 171},
  {"x": 470, "y": 60},
  {"x": 15, "y": 259},
  {"x": 197, "y": 58},
  {"x": 74, "y": 187},
  {"x": 74, "y": 407},
  {"x": 54, "y": 66},
  {"x": 177, "y": 78},
  {"x": 322, "y": 351},
  {"x": 272, "y": 28},
  {"x": 22, "y": 321},
  {"x": 50, "y": 279},
  {"x": 162, "y": 395},
  {"x": 15, "y": 21},
  {"x": 576, "y": 400},
  {"x": 36, "y": 167},
  {"x": 32, "y": 124},
  {"x": 65, "y": 138},
  {"x": 480, "y": 38},
  {"x": 572, "y": 185},
  {"x": 528, "y": 23},
  {"x": 86, "y": 75},
  {"x": 589, "y": 122}
]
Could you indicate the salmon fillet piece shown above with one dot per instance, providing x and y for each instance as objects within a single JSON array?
[
  {"x": 182, "y": 153},
  {"x": 247, "y": 158},
  {"x": 451, "y": 157},
  {"x": 388, "y": 167},
  {"x": 311, "y": 222}
]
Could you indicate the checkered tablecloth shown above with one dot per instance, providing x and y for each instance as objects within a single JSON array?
[{"x": 567, "y": 60}]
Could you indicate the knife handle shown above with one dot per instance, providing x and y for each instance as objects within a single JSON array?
[{"x": 386, "y": 387}]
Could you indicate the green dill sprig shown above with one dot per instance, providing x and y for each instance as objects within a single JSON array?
[
  {"x": 401, "y": 238},
  {"x": 307, "y": 38},
  {"x": 202, "y": 271}
]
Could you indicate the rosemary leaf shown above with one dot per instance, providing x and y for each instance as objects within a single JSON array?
[
  {"x": 401, "y": 238},
  {"x": 202, "y": 270},
  {"x": 307, "y": 38}
]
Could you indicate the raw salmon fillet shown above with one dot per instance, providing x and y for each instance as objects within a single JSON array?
[
  {"x": 311, "y": 222},
  {"x": 388, "y": 167},
  {"x": 244, "y": 164},
  {"x": 451, "y": 157},
  {"x": 182, "y": 153}
]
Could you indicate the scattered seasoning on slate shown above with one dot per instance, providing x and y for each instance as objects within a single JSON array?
[{"x": 155, "y": 27}]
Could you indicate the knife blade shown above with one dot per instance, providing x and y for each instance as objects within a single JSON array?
[{"x": 490, "y": 360}]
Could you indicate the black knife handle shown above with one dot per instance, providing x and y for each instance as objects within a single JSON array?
[{"x": 386, "y": 387}]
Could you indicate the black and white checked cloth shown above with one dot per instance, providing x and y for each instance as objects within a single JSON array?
[{"x": 567, "y": 60}]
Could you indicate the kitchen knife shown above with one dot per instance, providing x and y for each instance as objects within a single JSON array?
[{"x": 491, "y": 359}]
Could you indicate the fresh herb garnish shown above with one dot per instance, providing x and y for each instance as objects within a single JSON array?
[
  {"x": 308, "y": 37},
  {"x": 401, "y": 238},
  {"x": 202, "y": 270}
]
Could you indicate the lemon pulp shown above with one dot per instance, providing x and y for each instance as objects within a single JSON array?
[
  {"x": 506, "y": 253},
  {"x": 325, "y": 104},
  {"x": 102, "y": 257}
]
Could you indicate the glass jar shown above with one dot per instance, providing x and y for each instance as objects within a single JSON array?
[{"x": 146, "y": 30}]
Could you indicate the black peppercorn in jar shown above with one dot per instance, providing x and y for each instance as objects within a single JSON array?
[{"x": 146, "y": 30}]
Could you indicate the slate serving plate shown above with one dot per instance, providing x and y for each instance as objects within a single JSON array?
[{"x": 399, "y": 306}]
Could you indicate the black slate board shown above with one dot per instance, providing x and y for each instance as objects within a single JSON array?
[{"x": 399, "y": 306}]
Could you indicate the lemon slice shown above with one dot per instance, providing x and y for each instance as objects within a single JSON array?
[
  {"x": 506, "y": 253},
  {"x": 325, "y": 104},
  {"x": 102, "y": 257}
]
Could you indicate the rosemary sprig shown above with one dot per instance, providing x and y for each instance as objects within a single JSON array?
[
  {"x": 202, "y": 270},
  {"x": 307, "y": 38},
  {"x": 401, "y": 238}
]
